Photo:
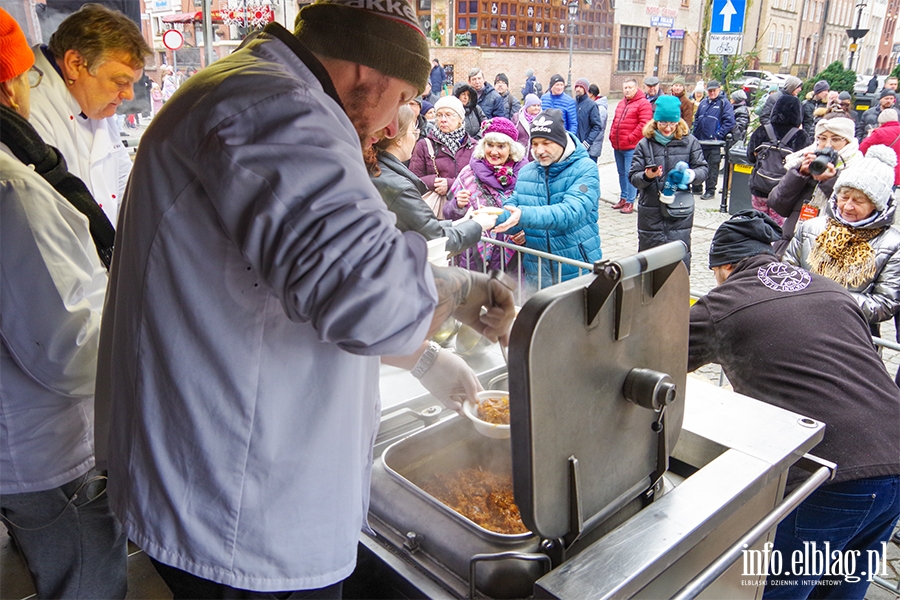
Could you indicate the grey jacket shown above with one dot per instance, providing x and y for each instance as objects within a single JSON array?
[
  {"x": 879, "y": 298},
  {"x": 402, "y": 191}
]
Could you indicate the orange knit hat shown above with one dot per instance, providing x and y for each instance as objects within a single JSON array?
[{"x": 15, "y": 55}]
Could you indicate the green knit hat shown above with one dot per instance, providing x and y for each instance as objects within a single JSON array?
[
  {"x": 668, "y": 109},
  {"x": 382, "y": 35}
]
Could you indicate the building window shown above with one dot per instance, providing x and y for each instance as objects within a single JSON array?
[
  {"x": 676, "y": 55},
  {"x": 632, "y": 48}
]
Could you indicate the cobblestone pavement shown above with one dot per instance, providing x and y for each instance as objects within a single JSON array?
[{"x": 618, "y": 235}]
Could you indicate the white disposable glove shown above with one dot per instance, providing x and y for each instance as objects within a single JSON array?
[{"x": 451, "y": 380}]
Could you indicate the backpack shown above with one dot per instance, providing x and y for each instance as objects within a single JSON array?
[{"x": 769, "y": 167}]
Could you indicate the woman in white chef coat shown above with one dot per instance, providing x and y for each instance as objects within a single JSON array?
[{"x": 90, "y": 66}]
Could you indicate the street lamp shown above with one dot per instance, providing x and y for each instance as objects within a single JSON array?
[
  {"x": 573, "y": 10},
  {"x": 856, "y": 34}
]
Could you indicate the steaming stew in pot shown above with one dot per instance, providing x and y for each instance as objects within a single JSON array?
[{"x": 483, "y": 497}]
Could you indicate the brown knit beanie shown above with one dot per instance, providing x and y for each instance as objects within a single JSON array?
[{"x": 384, "y": 36}]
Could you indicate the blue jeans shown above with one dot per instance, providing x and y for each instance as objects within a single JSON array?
[
  {"x": 71, "y": 541},
  {"x": 623, "y": 165},
  {"x": 852, "y": 517}
]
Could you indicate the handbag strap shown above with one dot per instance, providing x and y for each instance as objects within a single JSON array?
[
  {"x": 653, "y": 162},
  {"x": 892, "y": 145},
  {"x": 431, "y": 155}
]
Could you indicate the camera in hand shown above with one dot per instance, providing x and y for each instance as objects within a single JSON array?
[{"x": 820, "y": 163}]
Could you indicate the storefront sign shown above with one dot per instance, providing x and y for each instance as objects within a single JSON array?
[
  {"x": 666, "y": 22},
  {"x": 662, "y": 12}
]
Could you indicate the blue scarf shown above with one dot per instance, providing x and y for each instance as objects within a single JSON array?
[{"x": 661, "y": 138}]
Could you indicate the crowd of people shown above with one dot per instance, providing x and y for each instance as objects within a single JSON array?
[{"x": 148, "y": 305}]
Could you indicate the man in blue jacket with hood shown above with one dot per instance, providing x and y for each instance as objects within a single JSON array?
[
  {"x": 713, "y": 121},
  {"x": 555, "y": 202}
]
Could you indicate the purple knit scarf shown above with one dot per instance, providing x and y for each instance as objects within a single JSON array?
[{"x": 502, "y": 177}]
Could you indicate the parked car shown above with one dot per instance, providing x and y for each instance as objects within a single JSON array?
[
  {"x": 862, "y": 83},
  {"x": 752, "y": 80}
]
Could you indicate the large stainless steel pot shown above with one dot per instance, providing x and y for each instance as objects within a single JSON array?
[
  {"x": 597, "y": 395},
  {"x": 438, "y": 530}
]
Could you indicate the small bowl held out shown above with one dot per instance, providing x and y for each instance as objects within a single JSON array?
[{"x": 491, "y": 430}]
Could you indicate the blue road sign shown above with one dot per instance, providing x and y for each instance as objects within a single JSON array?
[{"x": 728, "y": 16}]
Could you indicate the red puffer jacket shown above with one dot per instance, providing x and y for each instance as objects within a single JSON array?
[
  {"x": 887, "y": 134},
  {"x": 628, "y": 123}
]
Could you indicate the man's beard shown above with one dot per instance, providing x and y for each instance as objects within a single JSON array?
[{"x": 356, "y": 107}]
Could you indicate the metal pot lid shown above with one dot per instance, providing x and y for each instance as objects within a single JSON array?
[{"x": 580, "y": 449}]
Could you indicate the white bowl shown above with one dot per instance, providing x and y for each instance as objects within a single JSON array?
[
  {"x": 440, "y": 261},
  {"x": 486, "y": 429},
  {"x": 436, "y": 247}
]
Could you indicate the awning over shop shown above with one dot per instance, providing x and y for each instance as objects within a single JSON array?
[
  {"x": 182, "y": 17},
  {"x": 258, "y": 14}
]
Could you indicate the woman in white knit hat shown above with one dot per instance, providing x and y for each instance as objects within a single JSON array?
[
  {"x": 439, "y": 157},
  {"x": 801, "y": 194},
  {"x": 853, "y": 242}
]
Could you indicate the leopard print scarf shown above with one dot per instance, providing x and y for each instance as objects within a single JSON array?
[{"x": 843, "y": 254}]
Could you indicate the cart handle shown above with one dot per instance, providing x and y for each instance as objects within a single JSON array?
[
  {"x": 473, "y": 562},
  {"x": 824, "y": 471}
]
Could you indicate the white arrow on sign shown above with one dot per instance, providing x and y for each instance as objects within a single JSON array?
[{"x": 727, "y": 12}]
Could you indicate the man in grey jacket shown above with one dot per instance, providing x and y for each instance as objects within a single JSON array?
[
  {"x": 258, "y": 280},
  {"x": 511, "y": 105}
]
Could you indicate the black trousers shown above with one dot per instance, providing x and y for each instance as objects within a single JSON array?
[
  {"x": 186, "y": 586},
  {"x": 713, "y": 156}
]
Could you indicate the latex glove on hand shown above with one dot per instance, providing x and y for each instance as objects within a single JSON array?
[
  {"x": 449, "y": 379},
  {"x": 495, "y": 293}
]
